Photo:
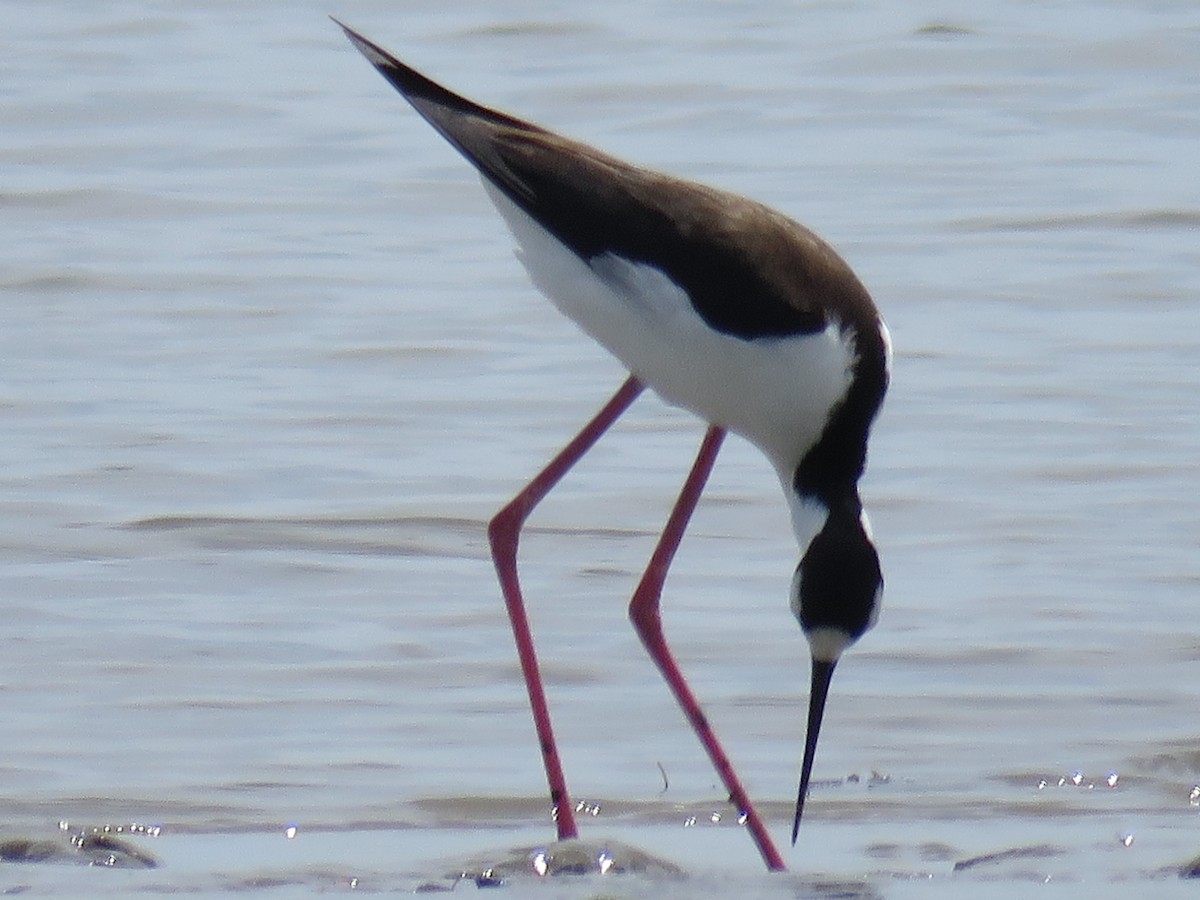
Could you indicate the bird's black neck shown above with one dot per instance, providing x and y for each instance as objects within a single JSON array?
[{"x": 830, "y": 470}]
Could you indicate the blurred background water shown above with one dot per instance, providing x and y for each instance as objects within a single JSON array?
[{"x": 268, "y": 366}]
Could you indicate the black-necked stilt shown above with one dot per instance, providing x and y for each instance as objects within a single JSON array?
[{"x": 721, "y": 306}]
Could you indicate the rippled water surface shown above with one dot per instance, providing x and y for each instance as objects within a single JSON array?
[{"x": 269, "y": 366}]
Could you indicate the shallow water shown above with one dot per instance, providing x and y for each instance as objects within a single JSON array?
[{"x": 268, "y": 367}]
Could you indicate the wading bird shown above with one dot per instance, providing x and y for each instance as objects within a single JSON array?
[{"x": 725, "y": 308}]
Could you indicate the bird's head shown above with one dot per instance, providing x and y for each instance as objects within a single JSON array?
[{"x": 835, "y": 596}]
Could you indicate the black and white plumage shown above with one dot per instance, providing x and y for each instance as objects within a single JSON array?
[{"x": 720, "y": 305}]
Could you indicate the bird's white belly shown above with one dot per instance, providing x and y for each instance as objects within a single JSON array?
[{"x": 775, "y": 391}]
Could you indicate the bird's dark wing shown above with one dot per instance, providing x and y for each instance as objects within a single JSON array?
[{"x": 749, "y": 271}]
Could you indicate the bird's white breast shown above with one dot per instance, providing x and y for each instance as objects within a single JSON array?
[{"x": 775, "y": 391}]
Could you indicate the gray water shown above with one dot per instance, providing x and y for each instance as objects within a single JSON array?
[{"x": 269, "y": 366}]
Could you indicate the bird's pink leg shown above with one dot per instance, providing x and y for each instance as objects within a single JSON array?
[
  {"x": 644, "y": 612},
  {"x": 504, "y": 533}
]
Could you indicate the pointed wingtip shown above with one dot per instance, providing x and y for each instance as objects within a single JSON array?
[
  {"x": 346, "y": 29},
  {"x": 376, "y": 55}
]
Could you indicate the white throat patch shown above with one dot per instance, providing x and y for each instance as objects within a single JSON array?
[{"x": 827, "y": 644}]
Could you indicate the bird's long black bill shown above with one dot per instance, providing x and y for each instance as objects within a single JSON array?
[{"x": 822, "y": 674}]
